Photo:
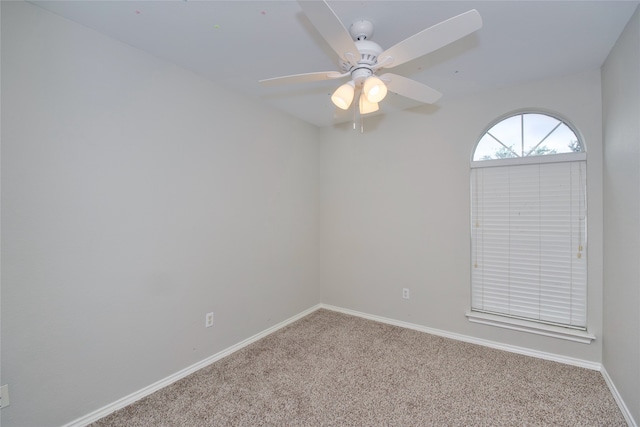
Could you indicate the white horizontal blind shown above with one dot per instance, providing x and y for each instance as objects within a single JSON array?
[{"x": 528, "y": 242}]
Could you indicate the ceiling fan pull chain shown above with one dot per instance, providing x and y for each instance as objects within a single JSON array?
[{"x": 354, "y": 116}]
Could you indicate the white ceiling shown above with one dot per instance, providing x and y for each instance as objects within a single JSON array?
[{"x": 237, "y": 43}]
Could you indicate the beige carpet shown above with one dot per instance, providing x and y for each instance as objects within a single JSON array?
[{"x": 331, "y": 369}]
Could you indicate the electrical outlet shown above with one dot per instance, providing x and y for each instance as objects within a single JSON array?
[
  {"x": 4, "y": 396},
  {"x": 208, "y": 322},
  {"x": 405, "y": 293}
]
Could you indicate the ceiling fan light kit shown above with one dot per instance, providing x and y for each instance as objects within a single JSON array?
[
  {"x": 374, "y": 89},
  {"x": 361, "y": 58},
  {"x": 367, "y": 107},
  {"x": 343, "y": 96}
]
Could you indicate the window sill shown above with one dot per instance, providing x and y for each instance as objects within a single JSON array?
[{"x": 531, "y": 327}]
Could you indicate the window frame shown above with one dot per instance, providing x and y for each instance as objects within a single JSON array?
[{"x": 511, "y": 322}]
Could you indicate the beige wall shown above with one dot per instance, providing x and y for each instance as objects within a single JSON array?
[
  {"x": 395, "y": 210},
  {"x": 621, "y": 122},
  {"x": 136, "y": 197}
]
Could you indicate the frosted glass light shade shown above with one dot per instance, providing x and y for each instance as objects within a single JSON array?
[
  {"x": 366, "y": 106},
  {"x": 374, "y": 89},
  {"x": 343, "y": 96}
]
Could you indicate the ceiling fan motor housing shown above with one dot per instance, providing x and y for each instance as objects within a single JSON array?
[{"x": 369, "y": 52}]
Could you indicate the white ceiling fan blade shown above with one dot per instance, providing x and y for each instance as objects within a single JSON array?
[
  {"x": 302, "y": 78},
  {"x": 410, "y": 88},
  {"x": 433, "y": 38},
  {"x": 329, "y": 26}
]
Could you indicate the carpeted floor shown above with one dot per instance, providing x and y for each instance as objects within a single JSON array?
[{"x": 331, "y": 369}]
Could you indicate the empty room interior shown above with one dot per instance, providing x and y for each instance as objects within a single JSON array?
[{"x": 180, "y": 181}]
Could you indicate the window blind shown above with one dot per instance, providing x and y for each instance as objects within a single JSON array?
[{"x": 528, "y": 242}]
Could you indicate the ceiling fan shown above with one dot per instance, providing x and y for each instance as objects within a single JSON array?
[{"x": 362, "y": 59}]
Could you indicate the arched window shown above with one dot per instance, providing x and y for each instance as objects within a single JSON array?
[
  {"x": 528, "y": 223},
  {"x": 525, "y": 135}
]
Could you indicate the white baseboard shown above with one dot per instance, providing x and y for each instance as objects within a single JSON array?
[
  {"x": 618, "y": 398},
  {"x": 133, "y": 397},
  {"x": 459, "y": 337}
]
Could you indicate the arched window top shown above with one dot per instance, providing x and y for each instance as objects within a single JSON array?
[{"x": 527, "y": 135}]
